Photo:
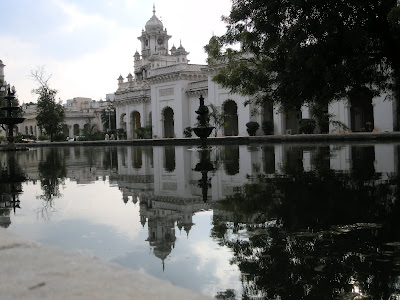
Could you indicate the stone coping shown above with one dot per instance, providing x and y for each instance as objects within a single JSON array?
[
  {"x": 365, "y": 137},
  {"x": 30, "y": 270}
]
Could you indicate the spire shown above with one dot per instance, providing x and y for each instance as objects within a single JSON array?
[{"x": 154, "y": 10}]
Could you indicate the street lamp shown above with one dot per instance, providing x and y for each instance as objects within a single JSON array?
[{"x": 109, "y": 110}]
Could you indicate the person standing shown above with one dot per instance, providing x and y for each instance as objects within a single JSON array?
[{"x": 107, "y": 137}]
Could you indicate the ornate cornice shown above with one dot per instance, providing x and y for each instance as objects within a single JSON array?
[
  {"x": 129, "y": 101},
  {"x": 177, "y": 76},
  {"x": 197, "y": 92}
]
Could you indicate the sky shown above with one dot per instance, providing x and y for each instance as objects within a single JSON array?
[{"x": 86, "y": 44}]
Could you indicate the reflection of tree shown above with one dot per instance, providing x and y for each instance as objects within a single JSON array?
[
  {"x": 52, "y": 172},
  {"x": 324, "y": 235}
]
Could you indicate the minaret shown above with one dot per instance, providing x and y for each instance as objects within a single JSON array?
[
  {"x": 180, "y": 54},
  {"x": 120, "y": 80},
  {"x": 2, "y": 72}
]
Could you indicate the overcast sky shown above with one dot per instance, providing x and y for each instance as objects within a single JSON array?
[{"x": 87, "y": 44}]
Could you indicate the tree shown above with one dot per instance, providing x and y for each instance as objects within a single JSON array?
[
  {"x": 296, "y": 52},
  {"x": 89, "y": 128},
  {"x": 107, "y": 116},
  {"x": 50, "y": 114},
  {"x": 217, "y": 118}
]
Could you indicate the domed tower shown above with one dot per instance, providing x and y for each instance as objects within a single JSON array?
[
  {"x": 154, "y": 45},
  {"x": 154, "y": 36}
]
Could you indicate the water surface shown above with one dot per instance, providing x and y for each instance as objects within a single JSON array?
[{"x": 262, "y": 221}]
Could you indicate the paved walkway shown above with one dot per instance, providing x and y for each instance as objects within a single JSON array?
[{"x": 33, "y": 271}]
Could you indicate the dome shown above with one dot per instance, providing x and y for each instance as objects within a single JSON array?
[{"x": 154, "y": 23}]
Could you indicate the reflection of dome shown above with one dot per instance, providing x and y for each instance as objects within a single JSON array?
[
  {"x": 162, "y": 249},
  {"x": 154, "y": 23}
]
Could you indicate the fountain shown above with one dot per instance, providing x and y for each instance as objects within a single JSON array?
[
  {"x": 9, "y": 119},
  {"x": 203, "y": 131}
]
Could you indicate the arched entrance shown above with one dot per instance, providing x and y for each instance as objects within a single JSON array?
[
  {"x": 168, "y": 116},
  {"x": 292, "y": 120},
  {"x": 268, "y": 117},
  {"x": 135, "y": 123},
  {"x": 76, "y": 129},
  {"x": 230, "y": 110},
  {"x": 361, "y": 111}
]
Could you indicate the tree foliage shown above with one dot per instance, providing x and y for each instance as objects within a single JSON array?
[
  {"x": 218, "y": 118},
  {"x": 108, "y": 116},
  {"x": 50, "y": 113},
  {"x": 294, "y": 52}
]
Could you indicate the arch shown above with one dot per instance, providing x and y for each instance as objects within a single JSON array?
[
  {"x": 361, "y": 110},
  {"x": 31, "y": 129},
  {"x": 135, "y": 122},
  {"x": 267, "y": 124},
  {"x": 76, "y": 129},
  {"x": 292, "y": 120},
  {"x": 26, "y": 130},
  {"x": 168, "y": 117},
  {"x": 230, "y": 110}
]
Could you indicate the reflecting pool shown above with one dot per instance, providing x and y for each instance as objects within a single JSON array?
[{"x": 274, "y": 221}]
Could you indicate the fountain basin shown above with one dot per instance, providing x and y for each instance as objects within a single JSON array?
[
  {"x": 11, "y": 120},
  {"x": 203, "y": 131}
]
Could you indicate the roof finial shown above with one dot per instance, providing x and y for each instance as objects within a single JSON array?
[{"x": 154, "y": 10}]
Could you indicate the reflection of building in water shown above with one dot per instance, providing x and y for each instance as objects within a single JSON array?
[
  {"x": 85, "y": 164},
  {"x": 164, "y": 182}
]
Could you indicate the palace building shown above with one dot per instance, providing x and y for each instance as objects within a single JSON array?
[{"x": 164, "y": 89}]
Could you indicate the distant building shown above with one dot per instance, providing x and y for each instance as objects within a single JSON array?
[{"x": 79, "y": 112}]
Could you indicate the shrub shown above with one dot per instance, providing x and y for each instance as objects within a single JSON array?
[
  {"x": 43, "y": 137},
  {"x": 58, "y": 137},
  {"x": 187, "y": 132},
  {"x": 268, "y": 127},
  {"x": 252, "y": 127},
  {"x": 121, "y": 133},
  {"x": 369, "y": 127},
  {"x": 21, "y": 138},
  {"x": 144, "y": 132},
  {"x": 307, "y": 126}
]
